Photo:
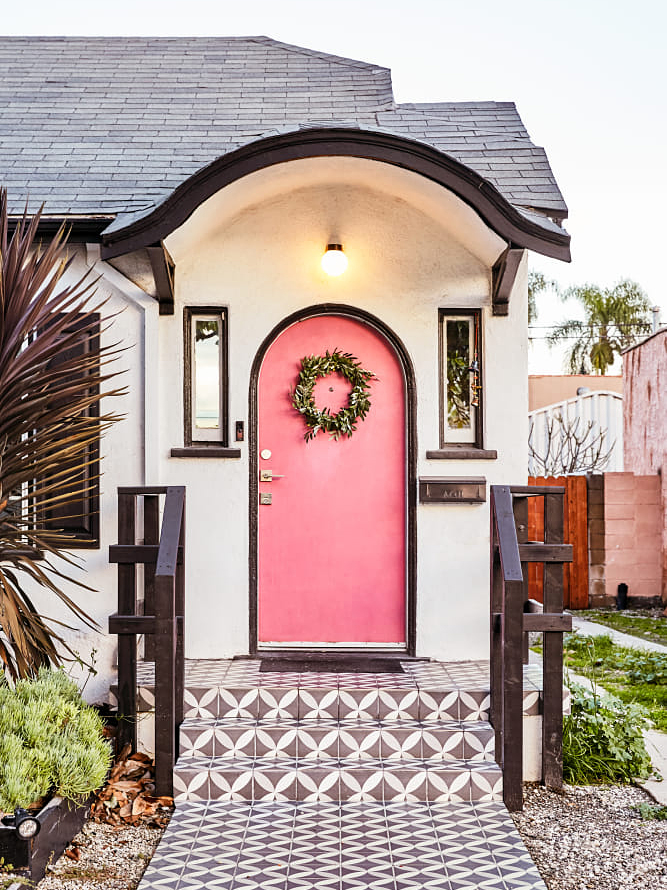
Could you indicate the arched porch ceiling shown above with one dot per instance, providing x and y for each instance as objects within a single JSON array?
[
  {"x": 313, "y": 178},
  {"x": 483, "y": 201}
]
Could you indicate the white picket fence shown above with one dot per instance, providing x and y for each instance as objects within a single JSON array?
[{"x": 601, "y": 408}]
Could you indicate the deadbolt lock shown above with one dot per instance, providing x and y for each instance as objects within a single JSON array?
[{"x": 265, "y": 498}]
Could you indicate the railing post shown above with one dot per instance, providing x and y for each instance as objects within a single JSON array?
[
  {"x": 127, "y": 643},
  {"x": 180, "y": 629},
  {"x": 168, "y": 580},
  {"x": 513, "y": 695},
  {"x": 520, "y": 507},
  {"x": 151, "y": 536},
  {"x": 496, "y": 618},
  {"x": 165, "y": 705},
  {"x": 507, "y": 593},
  {"x": 552, "y": 726}
]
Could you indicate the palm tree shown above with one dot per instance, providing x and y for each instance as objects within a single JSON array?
[
  {"x": 615, "y": 318},
  {"x": 49, "y": 393}
]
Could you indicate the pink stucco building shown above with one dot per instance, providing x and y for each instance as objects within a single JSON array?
[{"x": 645, "y": 419}]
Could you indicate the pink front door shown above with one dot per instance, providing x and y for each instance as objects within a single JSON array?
[{"x": 332, "y": 543}]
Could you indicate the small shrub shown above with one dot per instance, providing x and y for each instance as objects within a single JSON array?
[
  {"x": 651, "y": 811},
  {"x": 603, "y": 741},
  {"x": 51, "y": 741}
]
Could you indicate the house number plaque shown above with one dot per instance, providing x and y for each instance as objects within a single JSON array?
[{"x": 452, "y": 490}]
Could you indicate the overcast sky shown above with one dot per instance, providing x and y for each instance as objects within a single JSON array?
[{"x": 588, "y": 77}]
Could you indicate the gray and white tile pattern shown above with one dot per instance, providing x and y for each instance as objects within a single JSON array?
[{"x": 322, "y": 845}]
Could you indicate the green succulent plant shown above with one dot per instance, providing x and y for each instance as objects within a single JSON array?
[{"x": 51, "y": 741}]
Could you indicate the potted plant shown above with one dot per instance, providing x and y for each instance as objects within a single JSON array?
[{"x": 53, "y": 754}]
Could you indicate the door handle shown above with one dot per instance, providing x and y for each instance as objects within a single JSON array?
[{"x": 269, "y": 476}]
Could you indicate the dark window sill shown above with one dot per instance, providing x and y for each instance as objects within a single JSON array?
[
  {"x": 205, "y": 451},
  {"x": 462, "y": 452}
]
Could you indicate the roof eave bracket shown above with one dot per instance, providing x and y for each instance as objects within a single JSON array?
[
  {"x": 163, "y": 272},
  {"x": 503, "y": 277}
]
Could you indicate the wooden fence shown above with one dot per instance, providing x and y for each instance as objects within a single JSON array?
[{"x": 575, "y": 585}]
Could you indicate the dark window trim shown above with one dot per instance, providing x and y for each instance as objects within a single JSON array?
[
  {"x": 189, "y": 442},
  {"x": 453, "y": 447},
  {"x": 86, "y": 537}
]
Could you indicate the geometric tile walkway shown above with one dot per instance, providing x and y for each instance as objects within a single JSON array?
[
  {"x": 341, "y": 846},
  {"x": 339, "y": 780}
]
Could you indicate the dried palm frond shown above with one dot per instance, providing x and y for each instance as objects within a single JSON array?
[{"x": 49, "y": 426}]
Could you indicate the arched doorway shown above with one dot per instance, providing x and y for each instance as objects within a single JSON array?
[{"x": 332, "y": 529}]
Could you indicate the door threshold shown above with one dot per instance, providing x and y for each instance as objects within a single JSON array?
[
  {"x": 333, "y": 655},
  {"x": 324, "y": 646}
]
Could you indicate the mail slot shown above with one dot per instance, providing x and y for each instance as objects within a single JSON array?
[{"x": 452, "y": 490}]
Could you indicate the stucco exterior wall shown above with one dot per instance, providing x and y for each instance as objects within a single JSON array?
[
  {"x": 261, "y": 261},
  {"x": 122, "y": 463},
  {"x": 645, "y": 420},
  {"x": 255, "y": 249}
]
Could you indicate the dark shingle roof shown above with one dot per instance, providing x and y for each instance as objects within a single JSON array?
[{"x": 100, "y": 126}]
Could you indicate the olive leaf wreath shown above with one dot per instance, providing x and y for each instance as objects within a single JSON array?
[{"x": 344, "y": 422}]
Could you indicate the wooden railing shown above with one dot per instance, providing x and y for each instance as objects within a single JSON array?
[
  {"x": 162, "y": 555},
  {"x": 512, "y": 620}
]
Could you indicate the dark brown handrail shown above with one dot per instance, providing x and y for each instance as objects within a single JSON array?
[
  {"x": 511, "y": 619},
  {"x": 506, "y": 637},
  {"x": 162, "y": 623}
]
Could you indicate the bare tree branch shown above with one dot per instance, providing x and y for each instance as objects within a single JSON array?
[{"x": 568, "y": 447}]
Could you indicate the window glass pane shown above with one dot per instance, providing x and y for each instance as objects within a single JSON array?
[
  {"x": 206, "y": 373},
  {"x": 458, "y": 375}
]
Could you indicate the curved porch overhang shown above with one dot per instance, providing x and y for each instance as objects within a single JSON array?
[{"x": 518, "y": 229}]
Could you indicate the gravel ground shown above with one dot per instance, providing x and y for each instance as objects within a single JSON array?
[
  {"x": 111, "y": 858},
  {"x": 590, "y": 838}
]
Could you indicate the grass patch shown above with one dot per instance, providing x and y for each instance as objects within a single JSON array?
[
  {"x": 647, "y": 624},
  {"x": 632, "y": 675}
]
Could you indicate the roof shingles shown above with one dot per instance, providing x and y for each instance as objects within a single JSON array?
[{"x": 110, "y": 125}]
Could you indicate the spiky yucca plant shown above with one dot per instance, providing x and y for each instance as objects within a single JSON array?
[{"x": 48, "y": 424}]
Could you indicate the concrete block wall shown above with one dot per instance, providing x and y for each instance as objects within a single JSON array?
[{"x": 632, "y": 536}]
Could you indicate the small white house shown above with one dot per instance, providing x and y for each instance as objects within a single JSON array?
[{"x": 204, "y": 179}]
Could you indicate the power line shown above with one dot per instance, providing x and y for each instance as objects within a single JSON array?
[{"x": 587, "y": 326}]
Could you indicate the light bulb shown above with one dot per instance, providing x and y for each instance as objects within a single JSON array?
[{"x": 334, "y": 261}]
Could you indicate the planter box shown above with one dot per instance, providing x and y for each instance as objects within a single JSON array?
[{"x": 60, "y": 820}]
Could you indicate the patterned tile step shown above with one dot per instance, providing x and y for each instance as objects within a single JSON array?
[
  {"x": 248, "y": 778},
  {"x": 205, "y": 678},
  {"x": 221, "y": 672},
  {"x": 337, "y": 703},
  {"x": 316, "y": 739},
  {"x": 342, "y": 846}
]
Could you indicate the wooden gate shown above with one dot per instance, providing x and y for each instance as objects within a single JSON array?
[{"x": 575, "y": 591}]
